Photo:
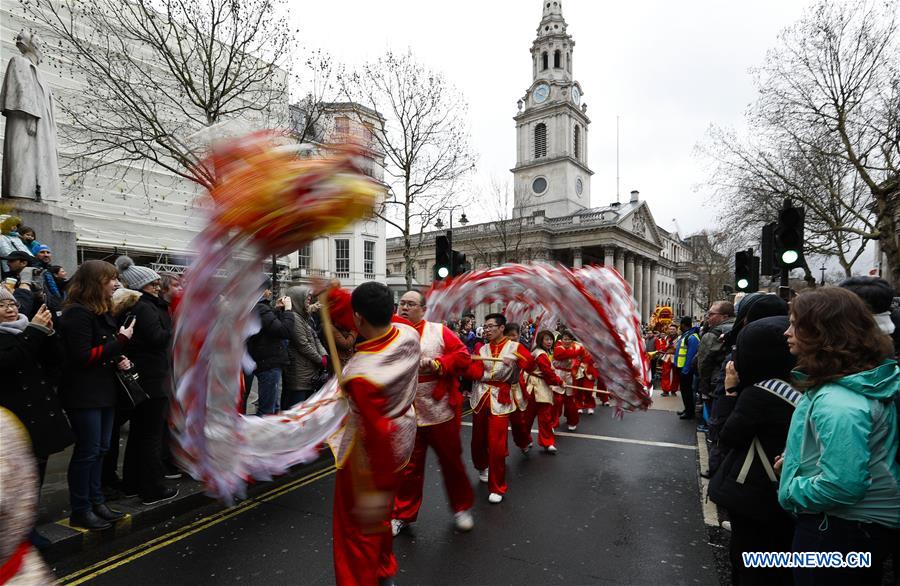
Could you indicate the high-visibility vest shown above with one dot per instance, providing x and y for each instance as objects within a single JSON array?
[{"x": 683, "y": 350}]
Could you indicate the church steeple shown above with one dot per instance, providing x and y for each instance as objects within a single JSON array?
[{"x": 551, "y": 51}]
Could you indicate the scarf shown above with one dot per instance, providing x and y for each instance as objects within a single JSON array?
[
  {"x": 885, "y": 324},
  {"x": 14, "y": 327}
]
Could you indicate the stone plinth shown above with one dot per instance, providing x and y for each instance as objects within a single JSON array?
[{"x": 53, "y": 227}]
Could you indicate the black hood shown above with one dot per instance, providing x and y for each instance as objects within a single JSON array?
[
  {"x": 753, "y": 307},
  {"x": 762, "y": 351}
]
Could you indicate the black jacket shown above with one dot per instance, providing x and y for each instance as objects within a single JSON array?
[
  {"x": 150, "y": 348},
  {"x": 268, "y": 347},
  {"x": 30, "y": 364},
  {"x": 756, "y": 413},
  {"x": 92, "y": 353}
]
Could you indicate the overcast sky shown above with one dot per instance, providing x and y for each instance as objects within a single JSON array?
[{"x": 667, "y": 69}]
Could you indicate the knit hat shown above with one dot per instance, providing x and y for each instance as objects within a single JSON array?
[
  {"x": 42, "y": 248},
  {"x": 135, "y": 277},
  {"x": 5, "y": 295}
]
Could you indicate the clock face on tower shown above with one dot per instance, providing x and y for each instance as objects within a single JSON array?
[
  {"x": 576, "y": 95},
  {"x": 541, "y": 93}
]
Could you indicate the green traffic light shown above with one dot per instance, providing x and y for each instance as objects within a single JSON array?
[
  {"x": 789, "y": 257},
  {"x": 743, "y": 284},
  {"x": 443, "y": 272}
]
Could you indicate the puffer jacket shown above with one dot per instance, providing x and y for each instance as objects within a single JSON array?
[
  {"x": 841, "y": 451},
  {"x": 305, "y": 351}
]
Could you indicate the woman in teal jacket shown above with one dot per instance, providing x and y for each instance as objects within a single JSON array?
[{"x": 840, "y": 472}]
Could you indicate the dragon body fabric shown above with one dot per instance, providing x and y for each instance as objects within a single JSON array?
[
  {"x": 594, "y": 303},
  {"x": 267, "y": 201}
]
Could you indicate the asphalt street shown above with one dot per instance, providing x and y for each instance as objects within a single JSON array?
[{"x": 619, "y": 504}]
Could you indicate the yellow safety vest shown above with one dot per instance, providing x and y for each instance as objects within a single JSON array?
[{"x": 683, "y": 350}]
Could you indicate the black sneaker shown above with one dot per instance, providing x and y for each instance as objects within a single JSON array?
[{"x": 165, "y": 494}]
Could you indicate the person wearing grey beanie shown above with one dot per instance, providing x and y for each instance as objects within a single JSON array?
[{"x": 135, "y": 277}]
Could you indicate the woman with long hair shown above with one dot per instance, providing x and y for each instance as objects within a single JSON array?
[
  {"x": 840, "y": 473},
  {"x": 88, "y": 388}
]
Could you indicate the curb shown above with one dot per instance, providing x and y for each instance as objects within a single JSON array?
[{"x": 66, "y": 541}]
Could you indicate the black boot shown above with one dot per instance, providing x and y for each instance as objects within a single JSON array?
[
  {"x": 107, "y": 514},
  {"x": 88, "y": 520}
]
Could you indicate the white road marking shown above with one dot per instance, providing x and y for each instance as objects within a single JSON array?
[
  {"x": 607, "y": 438},
  {"x": 710, "y": 514}
]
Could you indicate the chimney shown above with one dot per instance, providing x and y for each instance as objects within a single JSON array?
[{"x": 635, "y": 196}]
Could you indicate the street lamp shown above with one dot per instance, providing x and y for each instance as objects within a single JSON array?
[
  {"x": 822, "y": 282},
  {"x": 462, "y": 219}
]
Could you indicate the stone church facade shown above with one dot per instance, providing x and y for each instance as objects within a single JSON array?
[{"x": 552, "y": 219}]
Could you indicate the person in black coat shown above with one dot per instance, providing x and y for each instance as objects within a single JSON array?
[
  {"x": 268, "y": 349},
  {"x": 151, "y": 353},
  {"x": 756, "y": 428},
  {"x": 30, "y": 358},
  {"x": 94, "y": 346}
]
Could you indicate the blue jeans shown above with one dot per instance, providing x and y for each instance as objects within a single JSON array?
[
  {"x": 93, "y": 429},
  {"x": 269, "y": 390}
]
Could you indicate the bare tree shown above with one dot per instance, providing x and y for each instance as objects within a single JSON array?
[
  {"x": 425, "y": 140},
  {"x": 836, "y": 73},
  {"x": 503, "y": 235},
  {"x": 753, "y": 177},
  {"x": 159, "y": 71},
  {"x": 711, "y": 262}
]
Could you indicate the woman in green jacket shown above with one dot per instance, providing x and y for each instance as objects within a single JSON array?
[{"x": 840, "y": 472}]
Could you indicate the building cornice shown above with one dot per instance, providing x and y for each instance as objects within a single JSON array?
[{"x": 548, "y": 160}]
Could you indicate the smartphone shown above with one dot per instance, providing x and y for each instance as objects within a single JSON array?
[{"x": 129, "y": 320}]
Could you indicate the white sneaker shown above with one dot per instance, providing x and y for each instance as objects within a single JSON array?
[
  {"x": 551, "y": 449},
  {"x": 397, "y": 526},
  {"x": 573, "y": 427},
  {"x": 463, "y": 521},
  {"x": 527, "y": 449},
  {"x": 483, "y": 475},
  {"x": 726, "y": 525},
  {"x": 495, "y": 498},
  {"x": 581, "y": 410},
  {"x": 590, "y": 411}
]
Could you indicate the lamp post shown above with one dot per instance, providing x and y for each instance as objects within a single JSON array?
[
  {"x": 822, "y": 282},
  {"x": 462, "y": 219}
]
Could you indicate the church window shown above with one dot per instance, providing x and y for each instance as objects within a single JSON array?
[
  {"x": 544, "y": 61},
  {"x": 557, "y": 59},
  {"x": 569, "y": 62},
  {"x": 577, "y": 141},
  {"x": 540, "y": 141},
  {"x": 539, "y": 185}
]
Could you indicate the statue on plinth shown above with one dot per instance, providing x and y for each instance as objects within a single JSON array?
[{"x": 30, "y": 167}]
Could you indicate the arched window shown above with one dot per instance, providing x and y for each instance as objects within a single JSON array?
[
  {"x": 557, "y": 59},
  {"x": 569, "y": 62},
  {"x": 577, "y": 141},
  {"x": 540, "y": 141},
  {"x": 544, "y": 61}
]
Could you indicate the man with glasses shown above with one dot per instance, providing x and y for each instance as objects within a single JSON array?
[
  {"x": 438, "y": 419},
  {"x": 712, "y": 352},
  {"x": 495, "y": 371}
]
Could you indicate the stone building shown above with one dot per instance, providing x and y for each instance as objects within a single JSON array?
[{"x": 552, "y": 218}]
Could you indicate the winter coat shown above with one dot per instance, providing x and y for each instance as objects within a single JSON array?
[
  {"x": 92, "y": 352},
  {"x": 268, "y": 347},
  {"x": 305, "y": 352},
  {"x": 755, "y": 413},
  {"x": 841, "y": 455},
  {"x": 690, "y": 341},
  {"x": 151, "y": 346},
  {"x": 30, "y": 363},
  {"x": 711, "y": 354}
]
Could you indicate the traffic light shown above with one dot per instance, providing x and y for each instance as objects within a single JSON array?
[
  {"x": 443, "y": 258},
  {"x": 746, "y": 271},
  {"x": 789, "y": 237},
  {"x": 767, "y": 249},
  {"x": 458, "y": 264}
]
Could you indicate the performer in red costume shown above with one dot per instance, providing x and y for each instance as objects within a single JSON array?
[
  {"x": 521, "y": 419},
  {"x": 586, "y": 376},
  {"x": 565, "y": 355},
  {"x": 542, "y": 385},
  {"x": 495, "y": 370},
  {"x": 438, "y": 417},
  {"x": 669, "y": 375},
  {"x": 380, "y": 381}
]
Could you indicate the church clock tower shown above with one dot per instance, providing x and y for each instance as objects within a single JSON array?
[{"x": 551, "y": 173}]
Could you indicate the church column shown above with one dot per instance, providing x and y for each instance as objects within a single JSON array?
[
  {"x": 576, "y": 257},
  {"x": 654, "y": 289},
  {"x": 639, "y": 287},
  {"x": 609, "y": 258},
  {"x": 648, "y": 290},
  {"x": 629, "y": 269},
  {"x": 620, "y": 261}
]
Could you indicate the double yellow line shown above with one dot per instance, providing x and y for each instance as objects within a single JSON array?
[{"x": 122, "y": 558}]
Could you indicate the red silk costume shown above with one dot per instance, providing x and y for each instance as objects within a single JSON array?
[
  {"x": 564, "y": 361},
  {"x": 369, "y": 459},
  {"x": 492, "y": 400},
  {"x": 669, "y": 375},
  {"x": 438, "y": 420},
  {"x": 540, "y": 404}
]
